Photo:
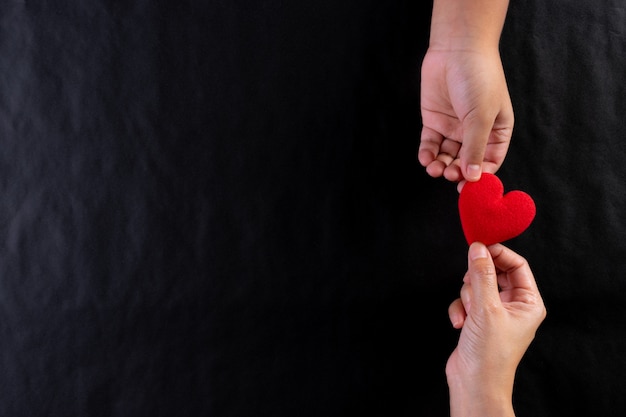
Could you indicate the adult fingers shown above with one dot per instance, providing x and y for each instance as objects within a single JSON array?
[
  {"x": 514, "y": 266},
  {"x": 456, "y": 313},
  {"x": 483, "y": 276}
]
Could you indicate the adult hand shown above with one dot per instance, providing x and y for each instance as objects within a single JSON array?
[{"x": 498, "y": 312}]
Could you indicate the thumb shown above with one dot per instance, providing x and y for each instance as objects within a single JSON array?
[
  {"x": 476, "y": 132},
  {"x": 482, "y": 275}
]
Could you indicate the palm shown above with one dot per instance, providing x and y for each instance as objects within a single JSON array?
[{"x": 465, "y": 109}]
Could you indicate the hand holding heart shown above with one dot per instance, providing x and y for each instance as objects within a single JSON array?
[{"x": 490, "y": 216}]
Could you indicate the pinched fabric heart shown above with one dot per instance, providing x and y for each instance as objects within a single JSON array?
[{"x": 490, "y": 216}]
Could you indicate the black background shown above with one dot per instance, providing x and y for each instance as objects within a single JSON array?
[{"x": 215, "y": 209}]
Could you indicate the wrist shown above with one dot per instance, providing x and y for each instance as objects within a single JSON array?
[
  {"x": 474, "y": 398},
  {"x": 467, "y": 24}
]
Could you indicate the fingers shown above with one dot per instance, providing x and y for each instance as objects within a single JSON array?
[
  {"x": 496, "y": 275},
  {"x": 517, "y": 282},
  {"x": 433, "y": 145},
  {"x": 514, "y": 266},
  {"x": 476, "y": 131},
  {"x": 482, "y": 275},
  {"x": 457, "y": 314},
  {"x": 447, "y": 156},
  {"x": 460, "y": 308},
  {"x": 460, "y": 186},
  {"x": 505, "y": 259},
  {"x": 439, "y": 155}
]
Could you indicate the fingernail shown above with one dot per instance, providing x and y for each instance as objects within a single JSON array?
[
  {"x": 478, "y": 251},
  {"x": 473, "y": 172}
]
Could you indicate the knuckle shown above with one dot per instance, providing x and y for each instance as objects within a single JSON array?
[{"x": 484, "y": 269}]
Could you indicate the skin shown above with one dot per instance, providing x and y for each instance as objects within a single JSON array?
[
  {"x": 466, "y": 109},
  {"x": 468, "y": 120},
  {"x": 499, "y": 311}
]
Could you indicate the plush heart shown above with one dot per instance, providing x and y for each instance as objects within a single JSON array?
[{"x": 489, "y": 216}]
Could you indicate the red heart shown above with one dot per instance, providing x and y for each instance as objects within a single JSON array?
[{"x": 489, "y": 216}]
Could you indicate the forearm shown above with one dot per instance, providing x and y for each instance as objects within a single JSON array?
[{"x": 467, "y": 24}]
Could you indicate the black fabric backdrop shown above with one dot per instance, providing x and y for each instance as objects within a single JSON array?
[{"x": 215, "y": 209}]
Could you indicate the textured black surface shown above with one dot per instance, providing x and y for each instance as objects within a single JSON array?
[{"x": 216, "y": 209}]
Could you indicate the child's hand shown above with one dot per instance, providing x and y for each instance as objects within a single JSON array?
[{"x": 467, "y": 114}]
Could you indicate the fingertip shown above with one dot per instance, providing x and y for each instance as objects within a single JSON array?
[
  {"x": 456, "y": 313},
  {"x": 473, "y": 172},
  {"x": 505, "y": 258},
  {"x": 495, "y": 248},
  {"x": 478, "y": 250},
  {"x": 425, "y": 157},
  {"x": 435, "y": 169},
  {"x": 452, "y": 173}
]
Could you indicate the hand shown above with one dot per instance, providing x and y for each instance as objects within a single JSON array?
[
  {"x": 467, "y": 114},
  {"x": 499, "y": 312}
]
